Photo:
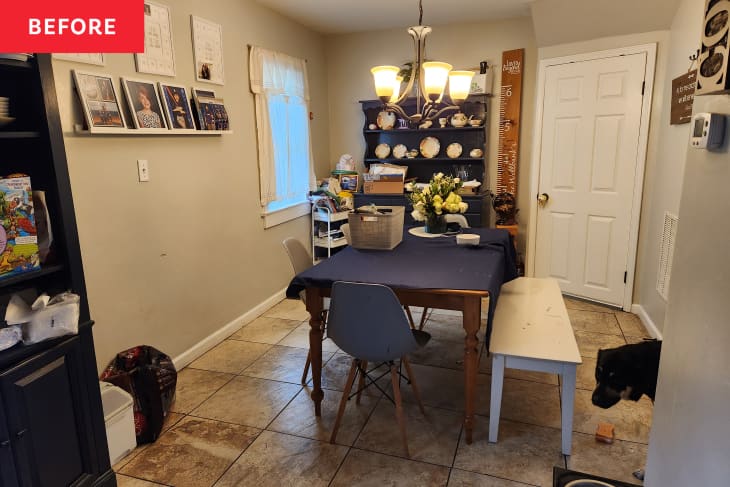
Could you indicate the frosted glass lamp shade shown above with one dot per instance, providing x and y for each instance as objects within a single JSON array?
[
  {"x": 396, "y": 89},
  {"x": 435, "y": 75},
  {"x": 459, "y": 85},
  {"x": 384, "y": 78}
]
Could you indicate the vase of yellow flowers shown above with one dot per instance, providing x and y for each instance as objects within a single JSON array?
[{"x": 431, "y": 203}]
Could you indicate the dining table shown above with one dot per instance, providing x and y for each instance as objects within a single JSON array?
[{"x": 433, "y": 273}]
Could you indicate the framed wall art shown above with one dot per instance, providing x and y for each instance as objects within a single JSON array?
[
  {"x": 713, "y": 67},
  {"x": 144, "y": 104},
  {"x": 159, "y": 52},
  {"x": 82, "y": 57},
  {"x": 176, "y": 107},
  {"x": 100, "y": 101},
  {"x": 207, "y": 50}
]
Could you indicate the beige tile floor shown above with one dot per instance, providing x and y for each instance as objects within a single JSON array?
[{"x": 242, "y": 418}]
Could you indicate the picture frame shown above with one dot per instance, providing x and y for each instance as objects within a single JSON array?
[
  {"x": 144, "y": 104},
  {"x": 713, "y": 66},
  {"x": 349, "y": 182},
  {"x": 100, "y": 101},
  {"x": 95, "y": 58},
  {"x": 207, "y": 50},
  {"x": 159, "y": 50},
  {"x": 196, "y": 94},
  {"x": 177, "y": 108},
  {"x": 212, "y": 114}
]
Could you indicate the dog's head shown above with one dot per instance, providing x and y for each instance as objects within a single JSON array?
[{"x": 615, "y": 378}]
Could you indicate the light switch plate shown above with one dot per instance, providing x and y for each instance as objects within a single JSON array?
[{"x": 143, "y": 170}]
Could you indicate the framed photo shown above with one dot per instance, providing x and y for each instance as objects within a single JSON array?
[
  {"x": 176, "y": 107},
  {"x": 100, "y": 101},
  {"x": 88, "y": 58},
  {"x": 159, "y": 53},
  {"x": 196, "y": 94},
  {"x": 207, "y": 50},
  {"x": 348, "y": 182},
  {"x": 212, "y": 114},
  {"x": 144, "y": 104}
]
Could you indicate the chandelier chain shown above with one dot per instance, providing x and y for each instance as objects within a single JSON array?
[{"x": 420, "y": 12}]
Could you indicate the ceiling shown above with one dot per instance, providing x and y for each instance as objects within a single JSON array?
[{"x": 342, "y": 16}]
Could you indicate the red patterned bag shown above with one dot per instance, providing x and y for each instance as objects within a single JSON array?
[{"x": 150, "y": 377}]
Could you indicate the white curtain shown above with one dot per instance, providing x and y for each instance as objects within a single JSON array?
[{"x": 281, "y": 93}]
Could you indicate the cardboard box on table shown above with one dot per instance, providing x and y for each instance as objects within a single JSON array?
[{"x": 383, "y": 183}]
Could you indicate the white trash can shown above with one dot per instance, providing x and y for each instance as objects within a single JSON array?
[{"x": 119, "y": 421}]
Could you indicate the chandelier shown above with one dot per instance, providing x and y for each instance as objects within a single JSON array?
[{"x": 427, "y": 82}]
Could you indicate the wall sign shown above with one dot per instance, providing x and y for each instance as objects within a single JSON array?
[
  {"x": 713, "y": 65},
  {"x": 509, "y": 121},
  {"x": 683, "y": 94}
]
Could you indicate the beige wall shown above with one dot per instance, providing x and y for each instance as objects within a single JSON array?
[
  {"x": 350, "y": 57},
  {"x": 690, "y": 436},
  {"x": 662, "y": 189},
  {"x": 171, "y": 261}
]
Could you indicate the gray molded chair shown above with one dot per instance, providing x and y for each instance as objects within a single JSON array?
[
  {"x": 457, "y": 218},
  {"x": 345, "y": 227},
  {"x": 367, "y": 322},
  {"x": 301, "y": 261}
]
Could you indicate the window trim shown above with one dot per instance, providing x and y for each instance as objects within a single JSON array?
[{"x": 283, "y": 215}]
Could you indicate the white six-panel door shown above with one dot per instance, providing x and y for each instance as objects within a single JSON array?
[{"x": 590, "y": 138}]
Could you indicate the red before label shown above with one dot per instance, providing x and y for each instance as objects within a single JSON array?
[{"x": 76, "y": 26}]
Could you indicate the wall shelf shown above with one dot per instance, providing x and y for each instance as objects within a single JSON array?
[
  {"x": 80, "y": 130},
  {"x": 22, "y": 278},
  {"x": 19, "y": 135}
]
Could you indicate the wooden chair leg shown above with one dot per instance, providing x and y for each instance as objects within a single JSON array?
[
  {"x": 412, "y": 379},
  {"x": 361, "y": 381},
  {"x": 423, "y": 319},
  {"x": 399, "y": 407},
  {"x": 306, "y": 367},
  {"x": 343, "y": 401},
  {"x": 410, "y": 317}
]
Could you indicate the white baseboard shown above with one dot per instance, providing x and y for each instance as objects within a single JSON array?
[
  {"x": 227, "y": 330},
  {"x": 639, "y": 310}
]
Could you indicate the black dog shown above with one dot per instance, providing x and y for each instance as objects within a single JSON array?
[{"x": 626, "y": 372}]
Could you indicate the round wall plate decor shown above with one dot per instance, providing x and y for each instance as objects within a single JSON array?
[
  {"x": 399, "y": 151},
  {"x": 454, "y": 150},
  {"x": 382, "y": 151},
  {"x": 430, "y": 147}
]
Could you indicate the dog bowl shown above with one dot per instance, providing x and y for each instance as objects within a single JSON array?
[
  {"x": 467, "y": 239},
  {"x": 588, "y": 483}
]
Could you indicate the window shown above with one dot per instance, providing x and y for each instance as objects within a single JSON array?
[{"x": 279, "y": 84}]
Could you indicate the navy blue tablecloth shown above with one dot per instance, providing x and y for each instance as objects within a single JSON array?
[{"x": 422, "y": 263}]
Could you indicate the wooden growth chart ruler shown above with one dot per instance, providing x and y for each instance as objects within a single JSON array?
[{"x": 509, "y": 121}]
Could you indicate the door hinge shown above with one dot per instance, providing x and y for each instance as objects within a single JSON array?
[
  {"x": 625, "y": 275},
  {"x": 643, "y": 85}
]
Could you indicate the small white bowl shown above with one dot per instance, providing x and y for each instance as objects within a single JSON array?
[{"x": 467, "y": 239}]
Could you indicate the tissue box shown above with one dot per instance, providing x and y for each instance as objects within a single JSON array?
[
  {"x": 383, "y": 183},
  {"x": 18, "y": 238},
  {"x": 481, "y": 83}
]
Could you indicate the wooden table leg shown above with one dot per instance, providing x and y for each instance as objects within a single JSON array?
[
  {"x": 472, "y": 318},
  {"x": 314, "y": 307}
]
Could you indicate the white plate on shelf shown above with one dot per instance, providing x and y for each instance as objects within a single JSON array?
[
  {"x": 382, "y": 151},
  {"x": 430, "y": 147},
  {"x": 421, "y": 232},
  {"x": 399, "y": 151},
  {"x": 454, "y": 150}
]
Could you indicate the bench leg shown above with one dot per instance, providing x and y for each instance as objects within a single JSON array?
[
  {"x": 496, "y": 399},
  {"x": 567, "y": 399}
]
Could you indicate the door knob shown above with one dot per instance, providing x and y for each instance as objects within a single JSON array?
[{"x": 542, "y": 199}]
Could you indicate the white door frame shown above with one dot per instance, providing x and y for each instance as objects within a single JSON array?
[{"x": 650, "y": 50}]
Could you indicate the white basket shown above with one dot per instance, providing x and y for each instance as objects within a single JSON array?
[
  {"x": 377, "y": 232},
  {"x": 119, "y": 421}
]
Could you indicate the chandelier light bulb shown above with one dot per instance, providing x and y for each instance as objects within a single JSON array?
[
  {"x": 459, "y": 85},
  {"x": 435, "y": 75},
  {"x": 385, "y": 78}
]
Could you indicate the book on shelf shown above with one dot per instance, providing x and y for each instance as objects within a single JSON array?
[{"x": 18, "y": 236}]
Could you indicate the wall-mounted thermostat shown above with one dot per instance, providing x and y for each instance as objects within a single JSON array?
[{"x": 708, "y": 130}]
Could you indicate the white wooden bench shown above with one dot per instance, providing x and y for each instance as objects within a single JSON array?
[{"x": 531, "y": 331}]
